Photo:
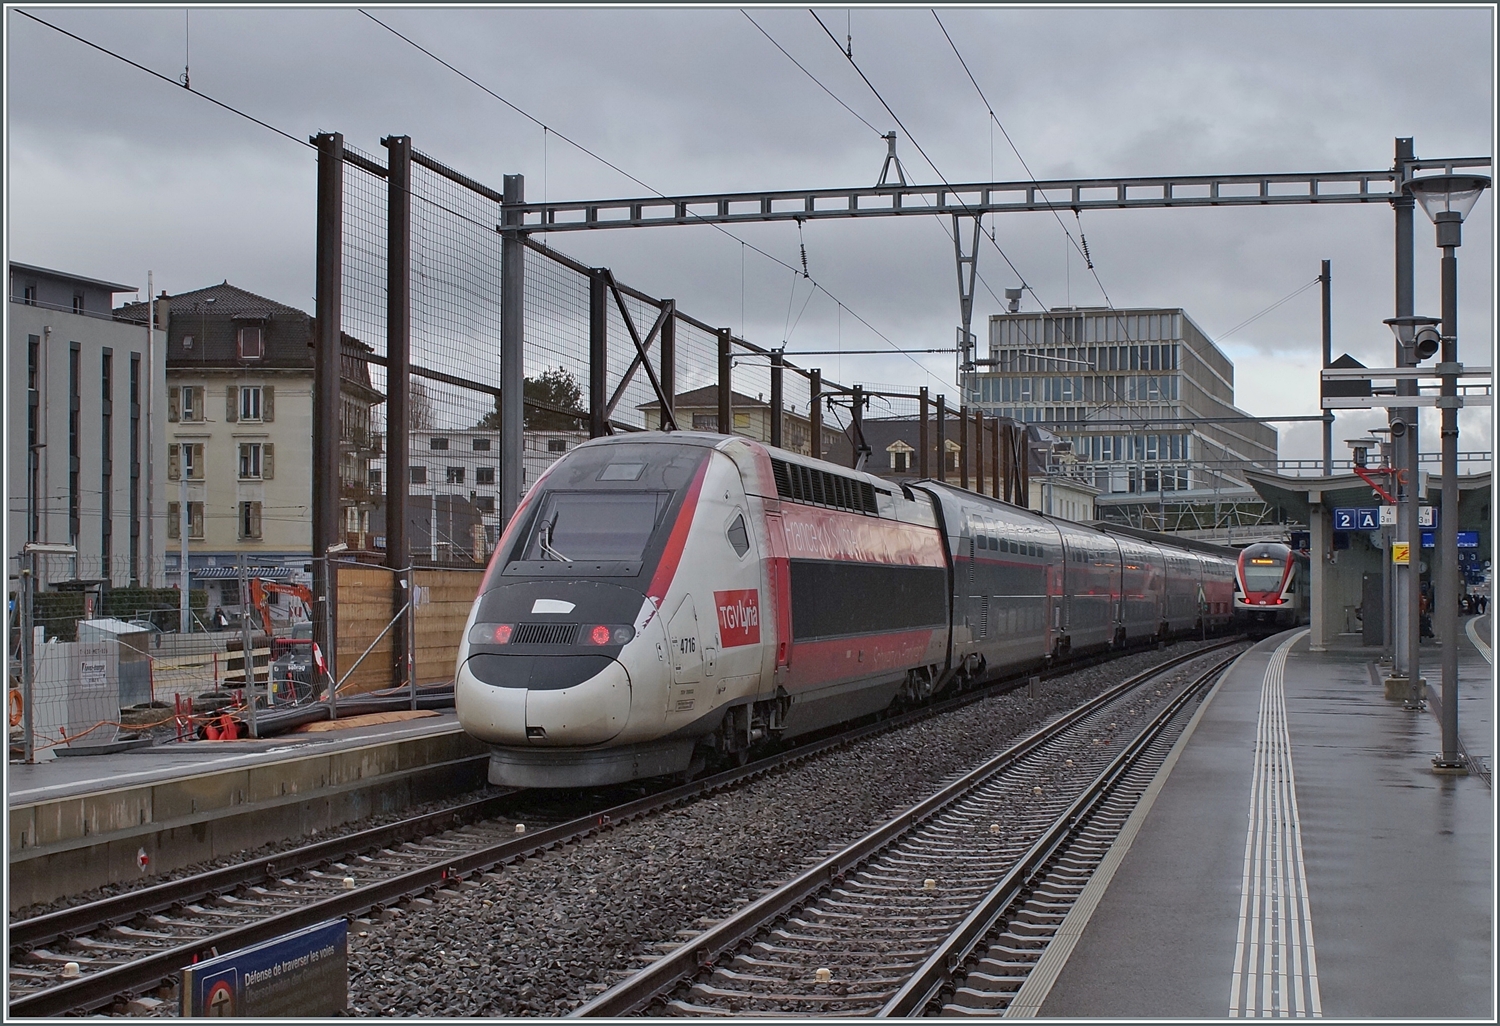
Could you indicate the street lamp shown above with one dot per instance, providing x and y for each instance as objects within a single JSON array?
[
  {"x": 1447, "y": 200},
  {"x": 1416, "y": 340}
]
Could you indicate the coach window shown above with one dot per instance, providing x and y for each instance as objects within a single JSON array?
[{"x": 739, "y": 538}]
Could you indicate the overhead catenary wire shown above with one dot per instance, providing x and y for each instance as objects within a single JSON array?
[
  {"x": 810, "y": 75},
  {"x": 1082, "y": 248},
  {"x": 172, "y": 82},
  {"x": 848, "y": 53},
  {"x": 818, "y": 286},
  {"x": 1280, "y": 302},
  {"x": 930, "y": 163},
  {"x": 428, "y": 200}
]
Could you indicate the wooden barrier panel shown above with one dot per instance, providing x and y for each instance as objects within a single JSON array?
[
  {"x": 368, "y": 597},
  {"x": 366, "y": 603},
  {"x": 444, "y": 598}
]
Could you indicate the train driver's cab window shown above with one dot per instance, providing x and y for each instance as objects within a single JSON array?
[
  {"x": 595, "y": 525},
  {"x": 739, "y": 538}
]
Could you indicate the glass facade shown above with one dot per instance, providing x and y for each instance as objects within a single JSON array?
[{"x": 1066, "y": 369}]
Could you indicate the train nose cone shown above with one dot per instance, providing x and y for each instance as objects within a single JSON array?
[{"x": 567, "y": 700}]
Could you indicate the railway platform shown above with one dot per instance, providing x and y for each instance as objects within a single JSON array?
[
  {"x": 1298, "y": 856},
  {"x": 80, "y": 823}
]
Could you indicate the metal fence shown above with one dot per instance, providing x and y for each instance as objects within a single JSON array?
[{"x": 495, "y": 354}]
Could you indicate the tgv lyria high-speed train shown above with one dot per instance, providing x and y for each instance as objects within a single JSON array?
[{"x": 662, "y": 600}]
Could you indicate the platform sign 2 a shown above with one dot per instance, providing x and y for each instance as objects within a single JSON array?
[
  {"x": 1344, "y": 517},
  {"x": 303, "y": 974},
  {"x": 1367, "y": 518}
]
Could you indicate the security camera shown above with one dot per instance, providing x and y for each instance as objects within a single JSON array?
[
  {"x": 1398, "y": 428},
  {"x": 1426, "y": 343}
]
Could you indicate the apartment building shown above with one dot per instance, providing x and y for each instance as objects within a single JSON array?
[
  {"x": 239, "y": 424},
  {"x": 80, "y": 384}
]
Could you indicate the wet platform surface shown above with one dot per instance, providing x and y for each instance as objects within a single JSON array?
[
  {"x": 1303, "y": 858},
  {"x": 61, "y": 778}
]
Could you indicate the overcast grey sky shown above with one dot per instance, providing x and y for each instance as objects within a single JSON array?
[{"x": 111, "y": 172}]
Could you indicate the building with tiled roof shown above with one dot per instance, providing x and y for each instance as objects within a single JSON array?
[
  {"x": 239, "y": 371},
  {"x": 698, "y": 409}
]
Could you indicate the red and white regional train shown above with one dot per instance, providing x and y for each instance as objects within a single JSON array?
[
  {"x": 1271, "y": 588},
  {"x": 662, "y": 600}
]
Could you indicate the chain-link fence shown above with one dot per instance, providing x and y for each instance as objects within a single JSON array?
[
  {"x": 425, "y": 285},
  {"x": 108, "y": 659},
  {"x": 455, "y": 300}
]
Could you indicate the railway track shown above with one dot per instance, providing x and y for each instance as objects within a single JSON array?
[
  {"x": 90, "y": 957},
  {"x": 995, "y": 859}
]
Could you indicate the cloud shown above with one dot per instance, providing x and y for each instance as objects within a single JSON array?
[{"x": 112, "y": 172}]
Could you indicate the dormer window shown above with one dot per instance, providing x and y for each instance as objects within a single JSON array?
[
  {"x": 251, "y": 344},
  {"x": 900, "y": 454}
]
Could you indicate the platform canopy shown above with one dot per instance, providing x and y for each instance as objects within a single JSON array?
[{"x": 1293, "y": 495}]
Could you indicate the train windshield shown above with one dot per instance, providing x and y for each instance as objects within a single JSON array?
[
  {"x": 1263, "y": 574},
  {"x": 595, "y": 526}
]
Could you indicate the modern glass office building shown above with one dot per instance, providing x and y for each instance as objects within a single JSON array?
[{"x": 1144, "y": 395}]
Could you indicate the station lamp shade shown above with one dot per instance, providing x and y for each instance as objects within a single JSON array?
[
  {"x": 1439, "y": 194},
  {"x": 1418, "y": 336}
]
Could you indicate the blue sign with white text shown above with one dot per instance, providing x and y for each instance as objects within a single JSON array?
[
  {"x": 1367, "y": 518},
  {"x": 305, "y": 974},
  {"x": 1343, "y": 518}
]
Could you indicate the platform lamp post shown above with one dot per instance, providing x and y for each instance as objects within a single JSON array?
[
  {"x": 1416, "y": 340},
  {"x": 1447, "y": 200}
]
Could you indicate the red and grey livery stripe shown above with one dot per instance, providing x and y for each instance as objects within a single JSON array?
[{"x": 671, "y": 556}]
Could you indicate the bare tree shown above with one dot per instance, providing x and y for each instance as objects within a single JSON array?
[{"x": 418, "y": 407}]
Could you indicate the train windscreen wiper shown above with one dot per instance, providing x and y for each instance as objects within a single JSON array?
[{"x": 544, "y": 541}]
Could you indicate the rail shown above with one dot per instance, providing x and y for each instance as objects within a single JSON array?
[
  {"x": 94, "y": 990},
  {"x": 631, "y": 995}
]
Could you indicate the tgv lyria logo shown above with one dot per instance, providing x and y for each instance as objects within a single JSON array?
[{"x": 739, "y": 617}]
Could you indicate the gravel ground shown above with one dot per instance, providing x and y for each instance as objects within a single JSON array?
[{"x": 543, "y": 936}]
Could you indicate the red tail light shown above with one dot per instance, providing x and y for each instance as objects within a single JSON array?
[{"x": 609, "y": 634}]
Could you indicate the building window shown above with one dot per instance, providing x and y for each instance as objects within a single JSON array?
[
  {"x": 249, "y": 520},
  {"x": 481, "y": 445},
  {"x": 174, "y": 520},
  {"x": 438, "y": 444},
  {"x": 185, "y": 403},
  {"x": 418, "y": 475},
  {"x": 78, "y": 302},
  {"x": 557, "y": 445},
  {"x": 484, "y": 475},
  {"x": 250, "y": 402},
  {"x": 252, "y": 345},
  {"x": 185, "y": 459},
  {"x": 250, "y": 453},
  {"x": 374, "y": 480},
  {"x": 484, "y": 503},
  {"x": 705, "y": 422},
  {"x": 28, "y": 295},
  {"x": 455, "y": 475}
]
